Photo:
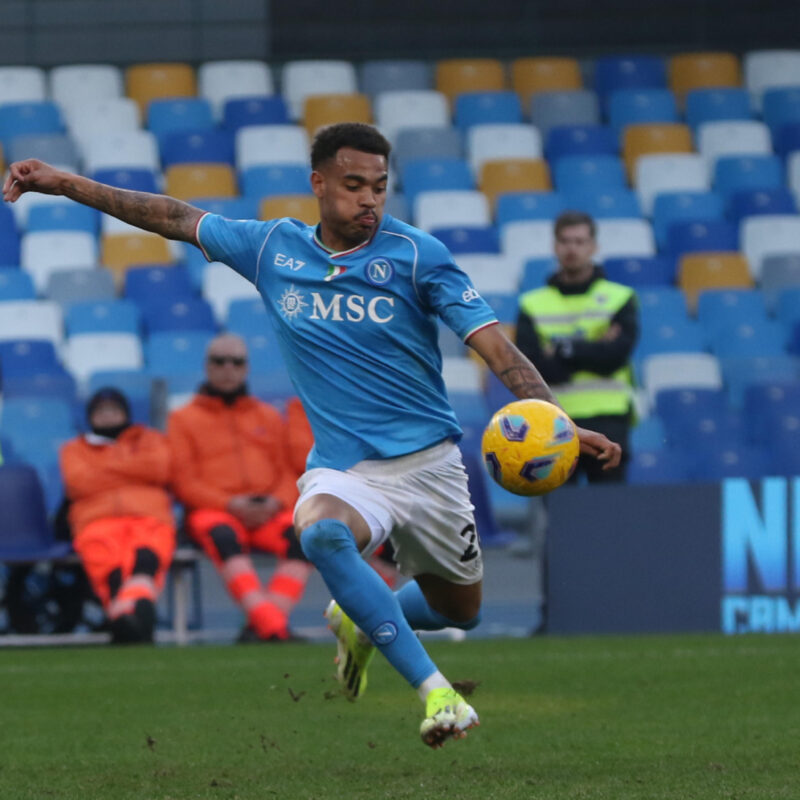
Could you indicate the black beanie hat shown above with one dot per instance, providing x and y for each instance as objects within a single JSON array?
[{"x": 108, "y": 394}]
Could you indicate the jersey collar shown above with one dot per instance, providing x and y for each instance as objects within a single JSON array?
[{"x": 340, "y": 253}]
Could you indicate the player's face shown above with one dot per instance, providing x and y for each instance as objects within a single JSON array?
[
  {"x": 226, "y": 366},
  {"x": 575, "y": 247},
  {"x": 351, "y": 189}
]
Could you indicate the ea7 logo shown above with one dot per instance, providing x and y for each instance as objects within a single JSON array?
[
  {"x": 293, "y": 264},
  {"x": 354, "y": 309}
]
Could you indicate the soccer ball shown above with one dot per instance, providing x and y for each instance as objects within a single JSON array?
[{"x": 530, "y": 447}]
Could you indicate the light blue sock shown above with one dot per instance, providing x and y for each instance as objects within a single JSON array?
[
  {"x": 421, "y": 617},
  {"x": 365, "y": 598}
]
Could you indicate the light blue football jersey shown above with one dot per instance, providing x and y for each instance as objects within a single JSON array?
[{"x": 358, "y": 330}]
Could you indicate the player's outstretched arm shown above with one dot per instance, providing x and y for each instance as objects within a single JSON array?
[
  {"x": 160, "y": 214},
  {"x": 523, "y": 379}
]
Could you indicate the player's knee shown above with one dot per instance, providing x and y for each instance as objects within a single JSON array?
[
  {"x": 146, "y": 562},
  {"x": 467, "y": 624},
  {"x": 323, "y": 538},
  {"x": 294, "y": 550},
  {"x": 225, "y": 541}
]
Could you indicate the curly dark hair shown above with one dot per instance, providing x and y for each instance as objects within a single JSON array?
[{"x": 332, "y": 138}]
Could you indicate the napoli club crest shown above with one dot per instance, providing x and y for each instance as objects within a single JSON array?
[{"x": 380, "y": 271}]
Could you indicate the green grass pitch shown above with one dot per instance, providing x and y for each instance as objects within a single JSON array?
[{"x": 688, "y": 717}]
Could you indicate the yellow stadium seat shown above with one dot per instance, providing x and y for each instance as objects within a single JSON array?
[
  {"x": 154, "y": 81},
  {"x": 326, "y": 109},
  {"x": 689, "y": 71},
  {"x": 553, "y": 74},
  {"x": 454, "y": 76},
  {"x": 500, "y": 176},
  {"x": 189, "y": 181},
  {"x": 700, "y": 271},
  {"x": 298, "y": 206},
  {"x": 653, "y": 138},
  {"x": 119, "y": 251}
]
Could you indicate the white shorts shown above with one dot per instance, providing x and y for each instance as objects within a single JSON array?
[{"x": 420, "y": 501}]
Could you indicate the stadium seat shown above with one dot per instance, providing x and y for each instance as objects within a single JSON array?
[
  {"x": 738, "y": 173},
  {"x": 117, "y": 115},
  {"x": 580, "y": 140},
  {"x": 22, "y": 85},
  {"x": 247, "y": 317},
  {"x": 143, "y": 283},
  {"x": 768, "y": 69},
  {"x": 414, "y": 144},
  {"x": 528, "y": 206},
  {"x": 785, "y": 143},
  {"x": 435, "y": 174},
  {"x": 766, "y": 400},
  {"x": 680, "y": 370},
  {"x": 54, "y": 148},
  {"x": 9, "y": 237},
  {"x": 92, "y": 352},
  {"x": 257, "y": 110},
  {"x": 160, "y": 315},
  {"x": 748, "y": 339},
  {"x": 28, "y": 357},
  {"x": 793, "y": 172},
  {"x": 717, "y": 105},
  {"x": 462, "y": 375},
  {"x": 297, "y": 206},
  {"x": 672, "y": 207},
  {"x": 120, "y": 251},
  {"x": 504, "y": 175},
  {"x": 663, "y": 303},
  {"x": 611, "y": 203},
  {"x": 491, "y": 273},
  {"x": 681, "y": 172},
  {"x": 301, "y": 79},
  {"x": 481, "y": 108},
  {"x": 197, "y": 147},
  {"x": 222, "y": 81},
  {"x": 78, "y": 84},
  {"x": 624, "y": 237},
  {"x": 156, "y": 81},
  {"x": 779, "y": 273},
  {"x": 267, "y": 180},
  {"x": 651, "y": 138},
  {"x": 80, "y": 285},
  {"x": 703, "y": 70},
  {"x": 674, "y": 405},
  {"x": 720, "y": 308},
  {"x": 586, "y": 173},
  {"x": 178, "y": 115},
  {"x": 448, "y": 209},
  {"x": 527, "y": 239},
  {"x": 63, "y": 217},
  {"x": 733, "y": 138},
  {"x": 742, "y": 373},
  {"x": 257, "y": 145},
  {"x": 222, "y": 286},
  {"x": 458, "y": 75},
  {"x": 694, "y": 236},
  {"x": 784, "y": 446},
  {"x": 169, "y": 354},
  {"x": 491, "y": 142},
  {"x": 230, "y": 207},
  {"x": 327, "y": 109},
  {"x": 31, "y": 319},
  {"x": 731, "y": 461},
  {"x": 24, "y": 119},
  {"x": 781, "y": 106},
  {"x": 558, "y": 109},
  {"x": 647, "y": 434},
  {"x": 533, "y": 75},
  {"x": 468, "y": 240},
  {"x": 641, "y": 271},
  {"x": 137, "y": 386},
  {"x": 103, "y": 316},
  {"x": 676, "y": 335},
  {"x": 137, "y": 180},
  {"x": 768, "y": 235},
  {"x": 612, "y": 73},
  {"x": 55, "y": 385},
  {"x": 45, "y": 252},
  {"x": 752, "y": 202},
  {"x": 264, "y": 353},
  {"x": 121, "y": 150},
  {"x": 635, "y": 106},
  {"x": 658, "y": 467},
  {"x": 15, "y": 284},
  {"x": 394, "y": 75},
  {"x": 700, "y": 272},
  {"x": 401, "y": 110},
  {"x": 189, "y": 181}
]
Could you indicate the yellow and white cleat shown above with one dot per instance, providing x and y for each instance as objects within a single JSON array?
[
  {"x": 354, "y": 652},
  {"x": 447, "y": 716}
]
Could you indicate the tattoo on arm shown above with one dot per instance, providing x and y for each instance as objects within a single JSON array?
[
  {"x": 160, "y": 214},
  {"x": 521, "y": 377}
]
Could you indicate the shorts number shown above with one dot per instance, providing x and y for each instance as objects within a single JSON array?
[{"x": 473, "y": 543}]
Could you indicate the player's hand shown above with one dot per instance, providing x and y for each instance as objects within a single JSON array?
[
  {"x": 600, "y": 446},
  {"x": 31, "y": 175}
]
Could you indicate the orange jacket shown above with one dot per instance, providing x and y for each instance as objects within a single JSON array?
[
  {"x": 219, "y": 451},
  {"x": 127, "y": 477}
]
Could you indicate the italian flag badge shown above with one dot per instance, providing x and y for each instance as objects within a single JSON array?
[{"x": 333, "y": 271}]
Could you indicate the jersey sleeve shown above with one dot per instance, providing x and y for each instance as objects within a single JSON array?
[
  {"x": 449, "y": 292},
  {"x": 235, "y": 242}
]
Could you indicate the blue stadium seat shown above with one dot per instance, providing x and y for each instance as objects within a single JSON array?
[
  {"x": 568, "y": 107},
  {"x": 764, "y": 402},
  {"x": 259, "y": 110},
  {"x": 787, "y": 310},
  {"x": 9, "y": 238},
  {"x": 672, "y": 207},
  {"x": 273, "y": 387},
  {"x": 701, "y": 431},
  {"x": 751, "y": 202},
  {"x": 230, "y": 207},
  {"x": 535, "y": 273},
  {"x": 674, "y": 406},
  {"x": 786, "y": 139},
  {"x": 658, "y": 466},
  {"x": 248, "y": 318},
  {"x": 515, "y": 206},
  {"x": 26, "y": 416},
  {"x": 16, "y": 284},
  {"x": 265, "y": 181},
  {"x": 612, "y": 73},
  {"x": 477, "y": 108},
  {"x": 718, "y": 308},
  {"x": 136, "y": 385},
  {"x": 414, "y": 144},
  {"x": 178, "y": 314},
  {"x": 137, "y": 180},
  {"x": 648, "y": 434},
  {"x": 50, "y": 385},
  {"x": 737, "y": 173},
  {"x": 397, "y": 207},
  {"x": 641, "y": 271},
  {"x": 63, "y": 217},
  {"x": 505, "y": 305},
  {"x": 179, "y": 114},
  {"x": 663, "y": 303},
  {"x": 700, "y": 236},
  {"x": 144, "y": 283},
  {"x": 581, "y": 173},
  {"x": 468, "y": 240},
  {"x": 793, "y": 343},
  {"x": 740, "y": 374},
  {"x": 731, "y": 461},
  {"x": 23, "y": 119},
  {"x": 28, "y": 357},
  {"x": 717, "y": 105},
  {"x": 748, "y": 339},
  {"x": 781, "y": 106},
  {"x": 634, "y": 106},
  {"x": 612, "y": 203},
  {"x": 103, "y": 316},
  {"x": 783, "y": 444},
  {"x": 25, "y": 534},
  {"x": 435, "y": 174},
  {"x": 580, "y": 140},
  {"x": 197, "y": 147},
  {"x": 176, "y": 353},
  {"x": 264, "y": 354},
  {"x": 676, "y": 335}
]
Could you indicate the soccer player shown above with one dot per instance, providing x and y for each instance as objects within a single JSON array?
[{"x": 354, "y": 301}]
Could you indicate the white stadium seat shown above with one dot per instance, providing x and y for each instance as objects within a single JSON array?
[
  {"x": 301, "y": 79},
  {"x": 44, "y": 252},
  {"x": 679, "y": 371},
  {"x": 22, "y": 85},
  {"x": 733, "y": 138},
  {"x": 462, "y": 374},
  {"x": 111, "y": 115},
  {"x": 413, "y": 108},
  {"x": 619, "y": 238},
  {"x": 793, "y": 173},
  {"x": 490, "y": 272},
  {"x": 87, "y": 353},
  {"x": 121, "y": 150},
  {"x": 257, "y": 145},
  {"x": 769, "y": 69},
  {"x": 222, "y": 285},
  {"x": 495, "y": 141},
  {"x": 769, "y": 235},
  {"x": 673, "y": 172},
  {"x": 451, "y": 210},
  {"x": 31, "y": 319},
  {"x": 525, "y": 239},
  {"x": 220, "y": 81},
  {"x": 78, "y": 84}
]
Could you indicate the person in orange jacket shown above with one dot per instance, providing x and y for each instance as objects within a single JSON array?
[
  {"x": 235, "y": 471},
  {"x": 120, "y": 513}
]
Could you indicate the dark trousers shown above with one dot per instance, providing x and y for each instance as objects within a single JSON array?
[{"x": 617, "y": 428}]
